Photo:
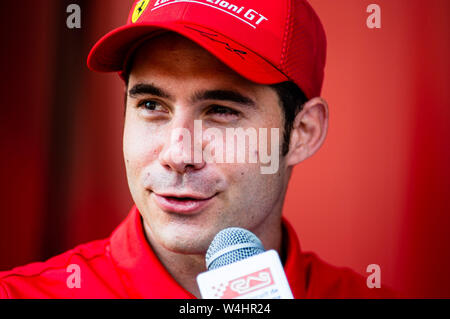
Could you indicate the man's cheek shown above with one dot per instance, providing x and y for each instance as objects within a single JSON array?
[
  {"x": 139, "y": 153},
  {"x": 141, "y": 146}
]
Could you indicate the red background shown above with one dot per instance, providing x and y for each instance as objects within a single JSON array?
[{"x": 377, "y": 192}]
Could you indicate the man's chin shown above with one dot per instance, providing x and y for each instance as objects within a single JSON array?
[
  {"x": 180, "y": 237},
  {"x": 181, "y": 233},
  {"x": 186, "y": 245}
]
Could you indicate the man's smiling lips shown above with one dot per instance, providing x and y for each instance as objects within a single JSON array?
[{"x": 181, "y": 203}]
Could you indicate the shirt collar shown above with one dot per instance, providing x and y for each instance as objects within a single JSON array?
[
  {"x": 294, "y": 266},
  {"x": 144, "y": 276}
]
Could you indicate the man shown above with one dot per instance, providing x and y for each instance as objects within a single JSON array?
[{"x": 194, "y": 72}]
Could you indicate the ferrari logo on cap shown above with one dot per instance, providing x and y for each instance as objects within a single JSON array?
[{"x": 139, "y": 9}]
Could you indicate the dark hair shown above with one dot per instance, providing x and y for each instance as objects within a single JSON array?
[{"x": 292, "y": 100}]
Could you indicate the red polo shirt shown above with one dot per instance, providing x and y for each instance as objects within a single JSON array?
[{"x": 124, "y": 266}]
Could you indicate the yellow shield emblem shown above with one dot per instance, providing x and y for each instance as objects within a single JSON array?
[{"x": 139, "y": 9}]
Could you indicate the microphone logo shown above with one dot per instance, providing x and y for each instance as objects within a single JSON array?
[{"x": 244, "y": 284}]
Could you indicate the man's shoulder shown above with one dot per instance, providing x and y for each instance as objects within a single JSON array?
[
  {"x": 62, "y": 276},
  {"x": 324, "y": 280}
]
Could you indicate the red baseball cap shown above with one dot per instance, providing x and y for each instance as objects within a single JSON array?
[{"x": 265, "y": 41}]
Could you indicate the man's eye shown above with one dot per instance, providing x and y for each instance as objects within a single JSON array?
[
  {"x": 222, "y": 110},
  {"x": 151, "y": 105}
]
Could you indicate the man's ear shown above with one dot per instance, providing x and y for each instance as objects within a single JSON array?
[{"x": 308, "y": 132}]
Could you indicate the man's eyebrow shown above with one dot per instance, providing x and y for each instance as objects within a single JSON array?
[
  {"x": 223, "y": 95},
  {"x": 220, "y": 95},
  {"x": 147, "y": 88}
]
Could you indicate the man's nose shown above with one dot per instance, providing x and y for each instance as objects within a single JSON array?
[{"x": 182, "y": 150}]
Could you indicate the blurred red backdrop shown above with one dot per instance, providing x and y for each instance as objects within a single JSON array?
[{"x": 376, "y": 193}]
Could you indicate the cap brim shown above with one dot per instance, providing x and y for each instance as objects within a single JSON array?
[{"x": 110, "y": 53}]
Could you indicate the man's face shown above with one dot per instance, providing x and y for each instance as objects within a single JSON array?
[{"x": 184, "y": 203}]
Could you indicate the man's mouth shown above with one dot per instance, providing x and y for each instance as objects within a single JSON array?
[{"x": 182, "y": 203}]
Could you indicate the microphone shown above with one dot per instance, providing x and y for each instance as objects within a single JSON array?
[{"x": 240, "y": 268}]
